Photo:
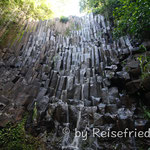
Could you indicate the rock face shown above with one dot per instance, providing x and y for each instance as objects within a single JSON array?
[{"x": 76, "y": 83}]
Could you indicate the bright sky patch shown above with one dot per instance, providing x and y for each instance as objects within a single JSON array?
[{"x": 65, "y": 7}]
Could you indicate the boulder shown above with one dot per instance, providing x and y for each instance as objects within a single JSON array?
[
  {"x": 42, "y": 105},
  {"x": 133, "y": 86},
  {"x": 101, "y": 108},
  {"x": 133, "y": 64},
  {"x": 61, "y": 112},
  {"x": 123, "y": 75},
  {"x": 95, "y": 100}
]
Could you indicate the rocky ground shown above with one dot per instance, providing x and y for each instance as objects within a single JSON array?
[{"x": 78, "y": 80}]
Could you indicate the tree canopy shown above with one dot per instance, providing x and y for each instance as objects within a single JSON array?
[
  {"x": 15, "y": 9},
  {"x": 129, "y": 16},
  {"x": 15, "y": 13}
]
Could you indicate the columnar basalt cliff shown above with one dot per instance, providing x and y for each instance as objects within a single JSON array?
[{"x": 78, "y": 80}]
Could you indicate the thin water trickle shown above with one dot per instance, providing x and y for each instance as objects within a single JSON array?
[
  {"x": 66, "y": 137},
  {"x": 75, "y": 144}
]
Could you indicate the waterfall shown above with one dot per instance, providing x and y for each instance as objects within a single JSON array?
[{"x": 78, "y": 76}]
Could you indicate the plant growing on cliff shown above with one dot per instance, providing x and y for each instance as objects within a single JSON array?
[
  {"x": 34, "y": 117},
  {"x": 144, "y": 60},
  {"x": 14, "y": 137},
  {"x": 146, "y": 112},
  {"x": 75, "y": 26},
  {"x": 64, "y": 19},
  {"x": 67, "y": 32}
]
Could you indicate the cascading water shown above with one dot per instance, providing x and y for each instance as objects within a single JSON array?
[
  {"x": 72, "y": 76},
  {"x": 75, "y": 143}
]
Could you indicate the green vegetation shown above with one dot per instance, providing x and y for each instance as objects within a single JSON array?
[
  {"x": 16, "y": 13},
  {"x": 14, "y": 10},
  {"x": 144, "y": 60},
  {"x": 75, "y": 26},
  {"x": 146, "y": 112},
  {"x": 104, "y": 7},
  {"x": 64, "y": 19},
  {"x": 14, "y": 137},
  {"x": 133, "y": 17},
  {"x": 34, "y": 117},
  {"x": 67, "y": 32},
  {"x": 142, "y": 49},
  {"x": 127, "y": 16},
  {"x": 145, "y": 109}
]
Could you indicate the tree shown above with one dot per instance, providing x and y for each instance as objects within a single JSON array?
[
  {"x": 133, "y": 17},
  {"x": 128, "y": 16},
  {"x": 15, "y": 14}
]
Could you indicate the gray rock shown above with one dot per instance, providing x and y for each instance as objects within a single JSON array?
[
  {"x": 95, "y": 100},
  {"x": 140, "y": 124},
  {"x": 98, "y": 119},
  {"x": 77, "y": 93},
  {"x": 42, "y": 105},
  {"x": 133, "y": 64},
  {"x": 41, "y": 93},
  {"x": 101, "y": 108},
  {"x": 61, "y": 112},
  {"x": 123, "y": 75},
  {"x": 113, "y": 91},
  {"x": 111, "y": 108}
]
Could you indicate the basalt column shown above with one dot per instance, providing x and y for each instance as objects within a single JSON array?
[{"x": 70, "y": 81}]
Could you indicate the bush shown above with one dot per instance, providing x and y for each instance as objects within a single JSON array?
[
  {"x": 132, "y": 17},
  {"x": 127, "y": 16},
  {"x": 14, "y": 137},
  {"x": 64, "y": 19},
  {"x": 144, "y": 60}
]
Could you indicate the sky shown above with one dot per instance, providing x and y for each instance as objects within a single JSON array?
[{"x": 65, "y": 7}]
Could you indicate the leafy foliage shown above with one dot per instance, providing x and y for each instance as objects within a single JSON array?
[
  {"x": 67, "y": 32},
  {"x": 146, "y": 112},
  {"x": 13, "y": 10},
  {"x": 16, "y": 13},
  {"x": 14, "y": 138},
  {"x": 105, "y": 7},
  {"x": 144, "y": 60},
  {"x": 64, "y": 19},
  {"x": 129, "y": 16},
  {"x": 132, "y": 17}
]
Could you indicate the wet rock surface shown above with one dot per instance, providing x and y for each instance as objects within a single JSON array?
[{"x": 74, "y": 82}]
